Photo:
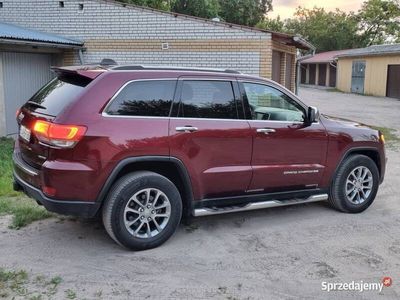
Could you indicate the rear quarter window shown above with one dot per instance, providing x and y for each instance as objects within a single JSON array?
[
  {"x": 151, "y": 98},
  {"x": 57, "y": 94}
]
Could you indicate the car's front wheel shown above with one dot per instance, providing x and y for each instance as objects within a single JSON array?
[
  {"x": 142, "y": 210},
  {"x": 355, "y": 184}
]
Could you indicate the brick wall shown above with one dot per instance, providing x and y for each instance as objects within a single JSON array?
[{"x": 135, "y": 35}]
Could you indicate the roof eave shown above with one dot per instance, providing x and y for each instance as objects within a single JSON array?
[
  {"x": 40, "y": 43},
  {"x": 368, "y": 54}
]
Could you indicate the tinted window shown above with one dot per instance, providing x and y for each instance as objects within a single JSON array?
[
  {"x": 207, "y": 99},
  {"x": 144, "y": 98},
  {"x": 268, "y": 103},
  {"x": 57, "y": 94}
]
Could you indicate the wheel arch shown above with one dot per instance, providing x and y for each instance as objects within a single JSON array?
[
  {"x": 169, "y": 167},
  {"x": 372, "y": 153}
]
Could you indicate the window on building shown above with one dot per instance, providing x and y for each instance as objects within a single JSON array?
[
  {"x": 144, "y": 98},
  {"x": 207, "y": 99}
]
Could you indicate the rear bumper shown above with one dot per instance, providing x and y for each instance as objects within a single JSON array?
[{"x": 72, "y": 208}]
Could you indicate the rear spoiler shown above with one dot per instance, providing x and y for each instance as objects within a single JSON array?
[{"x": 88, "y": 71}]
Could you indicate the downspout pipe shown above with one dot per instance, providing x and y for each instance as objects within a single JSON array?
[
  {"x": 312, "y": 48},
  {"x": 81, "y": 59}
]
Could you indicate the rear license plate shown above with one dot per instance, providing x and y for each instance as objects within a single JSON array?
[{"x": 25, "y": 133}]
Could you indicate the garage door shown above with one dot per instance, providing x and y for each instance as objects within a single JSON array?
[
  {"x": 393, "y": 81},
  {"x": 24, "y": 74}
]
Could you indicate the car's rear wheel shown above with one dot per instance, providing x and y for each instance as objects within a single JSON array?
[
  {"x": 142, "y": 210},
  {"x": 355, "y": 184}
]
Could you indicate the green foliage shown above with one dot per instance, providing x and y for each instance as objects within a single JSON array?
[
  {"x": 19, "y": 285},
  {"x": 380, "y": 21},
  {"x": 277, "y": 24},
  {"x": 200, "y": 8},
  {"x": 6, "y": 150},
  {"x": 23, "y": 209},
  {"x": 332, "y": 30},
  {"x": 156, "y": 4},
  {"x": 244, "y": 12},
  {"x": 377, "y": 22}
]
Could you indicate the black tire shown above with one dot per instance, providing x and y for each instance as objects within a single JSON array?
[
  {"x": 338, "y": 198},
  {"x": 114, "y": 214}
]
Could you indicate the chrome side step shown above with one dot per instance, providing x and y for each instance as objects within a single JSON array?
[{"x": 205, "y": 211}]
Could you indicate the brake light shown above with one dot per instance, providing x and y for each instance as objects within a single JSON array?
[{"x": 59, "y": 135}]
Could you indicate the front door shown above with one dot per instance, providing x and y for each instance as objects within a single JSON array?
[
  {"x": 287, "y": 153},
  {"x": 358, "y": 77},
  {"x": 208, "y": 136}
]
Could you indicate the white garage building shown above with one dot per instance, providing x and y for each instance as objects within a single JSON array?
[{"x": 25, "y": 60}]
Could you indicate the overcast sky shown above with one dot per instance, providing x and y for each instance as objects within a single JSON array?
[{"x": 286, "y": 8}]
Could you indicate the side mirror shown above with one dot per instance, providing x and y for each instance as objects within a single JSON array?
[{"x": 312, "y": 115}]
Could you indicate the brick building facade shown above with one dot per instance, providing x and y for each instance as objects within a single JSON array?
[{"x": 137, "y": 35}]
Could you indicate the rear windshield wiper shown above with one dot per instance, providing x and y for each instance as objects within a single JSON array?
[{"x": 35, "y": 104}]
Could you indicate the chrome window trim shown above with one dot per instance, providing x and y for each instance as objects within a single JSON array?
[
  {"x": 195, "y": 78},
  {"x": 284, "y": 91},
  {"x": 279, "y": 88},
  {"x": 104, "y": 112}
]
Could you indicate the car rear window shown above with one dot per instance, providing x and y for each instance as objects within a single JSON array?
[{"x": 52, "y": 98}]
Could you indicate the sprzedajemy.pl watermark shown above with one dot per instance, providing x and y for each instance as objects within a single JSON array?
[{"x": 359, "y": 286}]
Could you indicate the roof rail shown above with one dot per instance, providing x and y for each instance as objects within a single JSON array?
[{"x": 167, "y": 68}]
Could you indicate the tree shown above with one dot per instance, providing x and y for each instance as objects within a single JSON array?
[
  {"x": 379, "y": 21},
  {"x": 325, "y": 30},
  {"x": 156, "y": 4},
  {"x": 276, "y": 24},
  {"x": 200, "y": 8},
  {"x": 244, "y": 12}
]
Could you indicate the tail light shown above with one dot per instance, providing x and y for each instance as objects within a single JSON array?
[{"x": 58, "y": 135}]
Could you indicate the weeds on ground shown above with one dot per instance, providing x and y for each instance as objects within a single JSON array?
[
  {"x": 23, "y": 209},
  {"x": 18, "y": 284},
  {"x": 392, "y": 139}
]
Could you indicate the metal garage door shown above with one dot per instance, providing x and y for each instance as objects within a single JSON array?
[
  {"x": 358, "y": 77},
  {"x": 393, "y": 81},
  {"x": 24, "y": 74}
]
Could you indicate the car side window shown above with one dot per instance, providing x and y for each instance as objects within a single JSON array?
[
  {"x": 207, "y": 99},
  {"x": 268, "y": 103},
  {"x": 144, "y": 98}
]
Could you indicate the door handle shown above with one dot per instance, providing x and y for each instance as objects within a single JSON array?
[
  {"x": 266, "y": 130},
  {"x": 186, "y": 129}
]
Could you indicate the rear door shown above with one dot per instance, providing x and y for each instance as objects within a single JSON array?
[
  {"x": 287, "y": 153},
  {"x": 209, "y": 135}
]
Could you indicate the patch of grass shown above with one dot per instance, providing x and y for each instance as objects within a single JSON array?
[
  {"x": 335, "y": 90},
  {"x": 13, "y": 282},
  {"x": 6, "y": 177},
  {"x": 18, "y": 285},
  {"x": 70, "y": 294},
  {"x": 23, "y": 209},
  {"x": 392, "y": 140},
  {"x": 389, "y": 133}
]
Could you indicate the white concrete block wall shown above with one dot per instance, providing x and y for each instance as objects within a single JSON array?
[
  {"x": 246, "y": 62},
  {"x": 105, "y": 20}
]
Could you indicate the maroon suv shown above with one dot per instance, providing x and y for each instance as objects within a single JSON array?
[{"x": 144, "y": 147}]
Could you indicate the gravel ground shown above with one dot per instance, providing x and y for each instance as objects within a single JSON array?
[{"x": 279, "y": 253}]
